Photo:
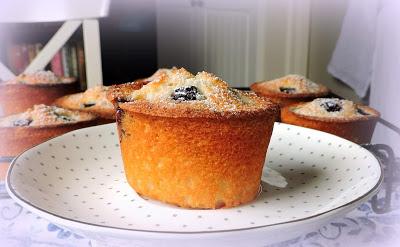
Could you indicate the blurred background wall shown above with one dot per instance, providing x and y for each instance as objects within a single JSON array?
[
  {"x": 241, "y": 41},
  {"x": 325, "y": 24},
  {"x": 246, "y": 41}
]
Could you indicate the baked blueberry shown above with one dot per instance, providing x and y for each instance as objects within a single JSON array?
[
  {"x": 22, "y": 122},
  {"x": 88, "y": 104},
  {"x": 185, "y": 93},
  {"x": 288, "y": 90},
  {"x": 362, "y": 112},
  {"x": 332, "y": 105},
  {"x": 62, "y": 117},
  {"x": 122, "y": 100}
]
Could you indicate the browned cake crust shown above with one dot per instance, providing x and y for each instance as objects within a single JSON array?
[
  {"x": 16, "y": 98},
  {"x": 92, "y": 100},
  {"x": 156, "y": 75},
  {"x": 193, "y": 162},
  {"x": 70, "y": 101},
  {"x": 356, "y": 129},
  {"x": 197, "y": 154},
  {"x": 120, "y": 93},
  {"x": 269, "y": 89}
]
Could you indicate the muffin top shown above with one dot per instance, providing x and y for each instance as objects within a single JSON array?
[
  {"x": 158, "y": 73},
  {"x": 45, "y": 116},
  {"x": 42, "y": 77},
  {"x": 290, "y": 85},
  {"x": 333, "y": 108},
  {"x": 95, "y": 96},
  {"x": 92, "y": 100},
  {"x": 178, "y": 93}
]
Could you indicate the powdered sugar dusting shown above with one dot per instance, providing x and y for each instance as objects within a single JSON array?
[
  {"x": 38, "y": 78},
  {"x": 43, "y": 115},
  {"x": 297, "y": 84},
  {"x": 213, "y": 93},
  {"x": 329, "y": 107},
  {"x": 98, "y": 96}
]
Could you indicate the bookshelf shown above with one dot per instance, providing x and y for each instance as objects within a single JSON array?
[
  {"x": 128, "y": 39},
  {"x": 23, "y": 42}
]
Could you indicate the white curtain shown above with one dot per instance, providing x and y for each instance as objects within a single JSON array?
[
  {"x": 353, "y": 56},
  {"x": 367, "y": 54},
  {"x": 385, "y": 78}
]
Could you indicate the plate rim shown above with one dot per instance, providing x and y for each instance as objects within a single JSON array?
[{"x": 68, "y": 222}]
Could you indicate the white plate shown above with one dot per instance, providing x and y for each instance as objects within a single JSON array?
[{"x": 77, "y": 180}]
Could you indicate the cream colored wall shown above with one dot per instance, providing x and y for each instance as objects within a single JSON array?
[
  {"x": 325, "y": 24},
  {"x": 291, "y": 36},
  {"x": 285, "y": 31}
]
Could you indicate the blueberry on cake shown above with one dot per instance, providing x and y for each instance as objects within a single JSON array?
[
  {"x": 192, "y": 141},
  {"x": 289, "y": 89},
  {"x": 24, "y": 130},
  {"x": 26, "y": 90},
  {"x": 337, "y": 116}
]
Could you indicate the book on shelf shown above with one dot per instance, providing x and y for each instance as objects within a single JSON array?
[
  {"x": 18, "y": 58},
  {"x": 31, "y": 52},
  {"x": 24, "y": 56},
  {"x": 69, "y": 61},
  {"x": 13, "y": 56},
  {"x": 66, "y": 61},
  {"x": 56, "y": 64},
  {"x": 81, "y": 65},
  {"x": 38, "y": 47},
  {"x": 74, "y": 61}
]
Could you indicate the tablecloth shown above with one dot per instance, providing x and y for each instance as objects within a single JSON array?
[{"x": 361, "y": 227}]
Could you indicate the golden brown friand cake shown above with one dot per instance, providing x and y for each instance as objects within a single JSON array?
[
  {"x": 337, "y": 116},
  {"x": 93, "y": 100},
  {"x": 192, "y": 141},
  {"x": 26, "y": 90},
  {"x": 290, "y": 89},
  {"x": 119, "y": 92},
  {"x": 24, "y": 130}
]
